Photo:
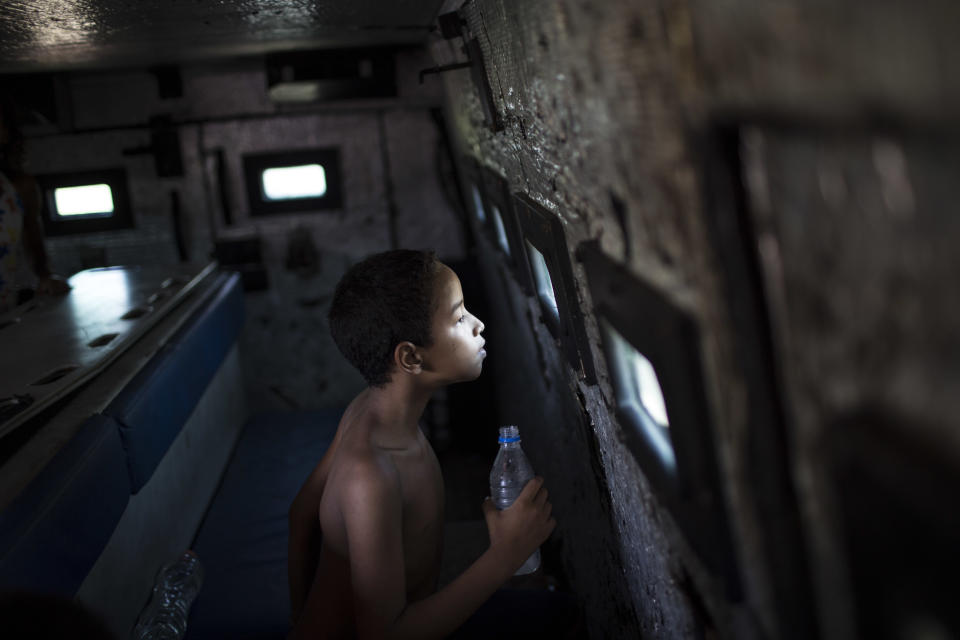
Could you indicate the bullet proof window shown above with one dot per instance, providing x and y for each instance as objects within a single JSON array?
[
  {"x": 544, "y": 283},
  {"x": 478, "y": 209},
  {"x": 501, "y": 230},
  {"x": 291, "y": 183},
  {"x": 504, "y": 229},
  {"x": 302, "y": 181},
  {"x": 545, "y": 245},
  {"x": 637, "y": 381},
  {"x": 653, "y": 355},
  {"x": 85, "y": 202},
  {"x": 639, "y": 396}
]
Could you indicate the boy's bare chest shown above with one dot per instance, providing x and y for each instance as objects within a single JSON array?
[
  {"x": 421, "y": 485},
  {"x": 423, "y": 496}
]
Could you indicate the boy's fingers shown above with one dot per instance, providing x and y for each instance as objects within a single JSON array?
[
  {"x": 531, "y": 488},
  {"x": 487, "y": 505},
  {"x": 541, "y": 498}
]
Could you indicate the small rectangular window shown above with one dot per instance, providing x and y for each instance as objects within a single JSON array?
[
  {"x": 504, "y": 229},
  {"x": 639, "y": 396},
  {"x": 290, "y": 183},
  {"x": 85, "y": 201},
  {"x": 302, "y": 181},
  {"x": 544, "y": 242},
  {"x": 637, "y": 381},
  {"x": 653, "y": 354}
]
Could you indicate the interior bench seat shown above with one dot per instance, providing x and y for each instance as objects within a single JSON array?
[
  {"x": 242, "y": 541},
  {"x": 54, "y": 531},
  {"x": 155, "y": 405}
]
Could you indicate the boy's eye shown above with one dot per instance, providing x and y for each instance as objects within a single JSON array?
[{"x": 461, "y": 319}]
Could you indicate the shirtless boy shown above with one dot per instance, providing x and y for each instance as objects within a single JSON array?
[{"x": 376, "y": 497}]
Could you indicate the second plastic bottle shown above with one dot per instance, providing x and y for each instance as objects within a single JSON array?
[{"x": 511, "y": 471}]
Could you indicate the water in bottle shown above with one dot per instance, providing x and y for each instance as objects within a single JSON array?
[
  {"x": 177, "y": 585},
  {"x": 511, "y": 471}
]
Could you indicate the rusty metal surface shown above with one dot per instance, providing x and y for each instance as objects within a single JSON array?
[
  {"x": 603, "y": 106},
  {"x": 594, "y": 132},
  {"x": 45, "y": 34},
  {"x": 857, "y": 237}
]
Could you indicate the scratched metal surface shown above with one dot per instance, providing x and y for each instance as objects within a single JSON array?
[
  {"x": 51, "y": 346},
  {"x": 603, "y": 104},
  {"x": 37, "y": 34}
]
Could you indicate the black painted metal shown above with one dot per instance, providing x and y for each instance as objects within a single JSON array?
[
  {"x": 897, "y": 501},
  {"x": 443, "y": 69},
  {"x": 223, "y": 186},
  {"x": 176, "y": 220},
  {"x": 769, "y": 461},
  {"x": 545, "y": 232},
  {"x": 478, "y": 72},
  {"x": 470, "y": 177},
  {"x": 669, "y": 337},
  {"x": 496, "y": 193}
]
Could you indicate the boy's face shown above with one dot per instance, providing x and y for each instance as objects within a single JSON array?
[{"x": 457, "y": 351}]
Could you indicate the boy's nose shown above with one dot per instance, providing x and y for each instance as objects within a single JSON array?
[{"x": 479, "y": 327}]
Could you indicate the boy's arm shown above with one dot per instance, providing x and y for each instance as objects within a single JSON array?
[
  {"x": 303, "y": 552},
  {"x": 514, "y": 534},
  {"x": 372, "y": 513},
  {"x": 303, "y": 543}
]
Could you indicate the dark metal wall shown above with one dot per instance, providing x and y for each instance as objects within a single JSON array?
[{"x": 786, "y": 173}]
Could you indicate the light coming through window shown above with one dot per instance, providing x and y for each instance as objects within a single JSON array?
[
  {"x": 637, "y": 381},
  {"x": 542, "y": 276},
  {"x": 501, "y": 231},
  {"x": 478, "y": 205},
  {"x": 290, "y": 183},
  {"x": 85, "y": 200}
]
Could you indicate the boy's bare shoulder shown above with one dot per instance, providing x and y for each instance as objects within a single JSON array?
[{"x": 361, "y": 478}]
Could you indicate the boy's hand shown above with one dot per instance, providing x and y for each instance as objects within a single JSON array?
[{"x": 518, "y": 530}]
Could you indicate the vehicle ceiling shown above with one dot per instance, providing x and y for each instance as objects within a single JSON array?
[{"x": 49, "y": 35}]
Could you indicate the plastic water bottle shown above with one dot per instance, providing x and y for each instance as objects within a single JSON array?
[
  {"x": 177, "y": 585},
  {"x": 511, "y": 471}
]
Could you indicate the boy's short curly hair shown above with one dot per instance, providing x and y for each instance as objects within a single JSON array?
[{"x": 380, "y": 302}]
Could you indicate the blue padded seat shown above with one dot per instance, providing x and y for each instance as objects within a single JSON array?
[
  {"x": 54, "y": 531},
  {"x": 154, "y": 406},
  {"x": 242, "y": 542}
]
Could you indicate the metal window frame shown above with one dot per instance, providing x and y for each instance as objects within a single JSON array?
[
  {"x": 472, "y": 178},
  {"x": 669, "y": 338},
  {"x": 254, "y": 164},
  {"x": 496, "y": 191},
  {"x": 734, "y": 241},
  {"x": 56, "y": 225},
  {"x": 543, "y": 230}
]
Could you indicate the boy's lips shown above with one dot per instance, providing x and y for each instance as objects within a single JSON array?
[{"x": 482, "y": 351}]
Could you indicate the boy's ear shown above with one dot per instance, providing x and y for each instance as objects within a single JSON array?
[{"x": 407, "y": 358}]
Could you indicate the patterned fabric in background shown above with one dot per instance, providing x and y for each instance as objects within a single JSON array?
[{"x": 11, "y": 243}]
